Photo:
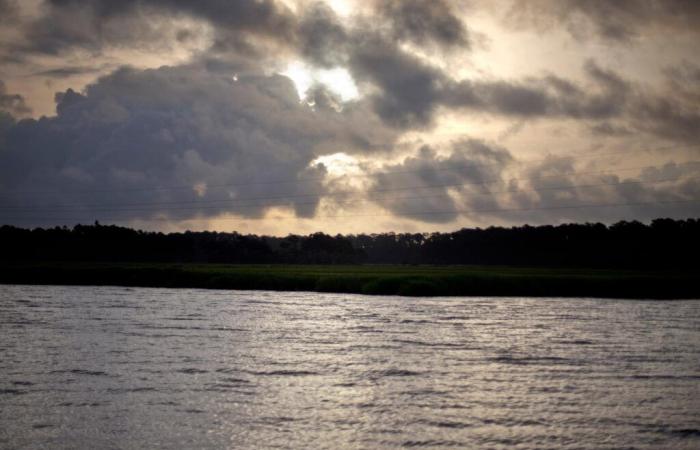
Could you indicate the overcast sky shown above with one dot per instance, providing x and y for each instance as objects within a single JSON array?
[{"x": 348, "y": 116}]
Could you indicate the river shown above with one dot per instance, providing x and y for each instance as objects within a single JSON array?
[{"x": 113, "y": 367}]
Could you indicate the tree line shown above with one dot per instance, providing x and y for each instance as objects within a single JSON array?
[{"x": 662, "y": 243}]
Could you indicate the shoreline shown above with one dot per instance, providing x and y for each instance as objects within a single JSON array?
[{"x": 428, "y": 281}]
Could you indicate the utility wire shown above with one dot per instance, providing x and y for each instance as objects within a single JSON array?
[
  {"x": 301, "y": 180},
  {"x": 237, "y": 202},
  {"x": 262, "y": 205},
  {"x": 404, "y": 213}
]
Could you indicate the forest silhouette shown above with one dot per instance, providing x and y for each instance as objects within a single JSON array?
[{"x": 663, "y": 243}]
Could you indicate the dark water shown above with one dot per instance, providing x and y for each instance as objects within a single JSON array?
[{"x": 108, "y": 367}]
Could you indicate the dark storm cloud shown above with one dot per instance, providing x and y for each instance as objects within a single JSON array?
[
  {"x": 404, "y": 89},
  {"x": 421, "y": 22},
  {"x": 484, "y": 183},
  {"x": 611, "y": 20},
  {"x": 672, "y": 113},
  {"x": 546, "y": 97},
  {"x": 556, "y": 190},
  {"x": 134, "y": 134},
  {"x": 13, "y": 104},
  {"x": 79, "y": 25},
  {"x": 257, "y": 16},
  {"x": 323, "y": 40},
  {"x": 668, "y": 118},
  {"x": 95, "y": 24},
  {"x": 316, "y": 31},
  {"x": 326, "y": 41},
  {"x": 433, "y": 187},
  {"x": 408, "y": 90},
  {"x": 8, "y": 10}
]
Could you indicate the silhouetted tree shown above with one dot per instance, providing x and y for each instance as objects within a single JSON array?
[{"x": 664, "y": 243}]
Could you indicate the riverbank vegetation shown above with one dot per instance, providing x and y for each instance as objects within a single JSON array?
[
  {"x": 627, "y": 259},
  {"x": 661, "y": 244},
  {"x": 369, "y": 279}
]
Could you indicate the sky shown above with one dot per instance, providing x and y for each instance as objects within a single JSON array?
[{"x": 348, "y": 116}]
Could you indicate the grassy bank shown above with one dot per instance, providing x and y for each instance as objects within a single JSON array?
[{"x": 382, "y": 280}]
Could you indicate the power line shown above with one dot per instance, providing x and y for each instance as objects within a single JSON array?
[
  {"x": 236, "y": 202},
  {"x": 412, "y": 213},
  {"x": 262, "y": 205},
  {"x": 302, "y": 180}
]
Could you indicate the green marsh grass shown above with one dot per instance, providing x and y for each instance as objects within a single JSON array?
[{"x": 369, "y": 279}]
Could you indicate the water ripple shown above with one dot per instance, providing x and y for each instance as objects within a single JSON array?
[{"x": 106, "y": 367}]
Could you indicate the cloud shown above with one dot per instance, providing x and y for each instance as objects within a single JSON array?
[
  {"x": 668, "y": 118},
  {"x": 13, "y": 104},
  {"x": 670, "y": 114},
  {"x": 95, "y": 25},
  {"x": 154, "y": 142},
  {"x": 8, "y": 10},
  {"x": 424, "y": 23},
  {"x": 485, "y": 183},
  {"x": 612, "y": 21},
  {"x": 558, "y": 189},
  {"x": 322, "y": 38},
  {"x": 407, "y": 92},
  {"x": 432, "y": 187},
  {"x": 407, "y": 89},
  {"x": 549, "y": 96},
  {"x": 404, "y": 89}
]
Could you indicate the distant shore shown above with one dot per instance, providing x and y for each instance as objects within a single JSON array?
[{"x": 367, "y": 279}]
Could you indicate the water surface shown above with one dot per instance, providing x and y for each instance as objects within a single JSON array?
[{"x": 111, "y": 367}]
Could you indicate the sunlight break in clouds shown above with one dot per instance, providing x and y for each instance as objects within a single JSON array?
[{"x": 338, "y": 80}]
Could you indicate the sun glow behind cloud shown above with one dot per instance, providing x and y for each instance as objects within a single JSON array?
[
  {"x": 338, "y": 80},
  {"x": 338, "y": 164}
]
